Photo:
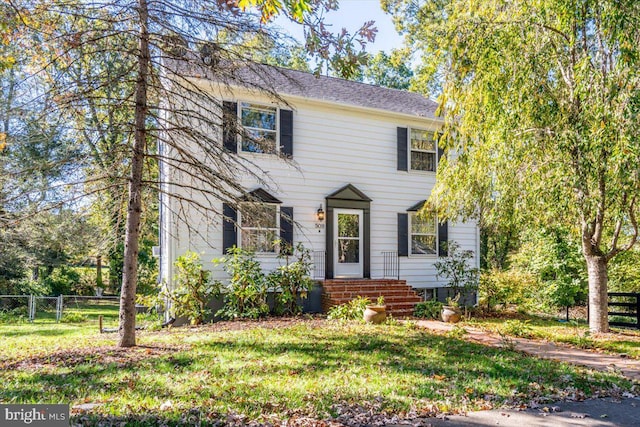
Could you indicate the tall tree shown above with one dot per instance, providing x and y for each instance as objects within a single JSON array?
[
  {"x": 541, "y": 103},
  {"x": 101, "y": 123},
  {"x": 389, "y": 70},
  {"x": 286, "y": 53},
  {"x": 35, "y": 155},
  {"x": 162, "y": 106}
]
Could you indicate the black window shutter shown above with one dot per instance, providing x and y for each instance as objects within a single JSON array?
[
  {"x": 286, "y": 132},
  {"x": 286, "y": 227},
  {"x": 402, "y": 149},
  {"x": 443, "y": 228},
  {"x": 403, "y": 234},
  {"x": 229, "y": 234},
  {"x": 443, "y": 238},
  {"x": 229, "y": 125}
]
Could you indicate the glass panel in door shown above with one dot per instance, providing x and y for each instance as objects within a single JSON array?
[
  {"x": 348, "y": 238},
  {"x": 348, "y": 243}
]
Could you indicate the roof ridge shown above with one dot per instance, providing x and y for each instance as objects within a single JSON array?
[
  {"x": 285, "y": 81},
  {"x": 319, "y": 76}
]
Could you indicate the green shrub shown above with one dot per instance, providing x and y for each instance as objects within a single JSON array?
[
  {"x": 87, "y": 281},
  {"x": 29, "y": 287},
  {"x": 73, "y": 317},
  {"x": 62, "y": 281},
  {"x": 428, "y": 309},
  {"x": 193, "y": 289},
  {"x": 561, "y": 293},
  {"x": 554, "y": 257},
  {"x": 156, "y": 299},
  {"x": 245, "y": 294},
  {"x": 15, "y": 315},
  {"x": 150, "y": 321},
  {"x": 623, "y": 272},
  {"x": 352, "y": 310},
  {"x": 456, "y": 268},
  {"x": 292, "y": 280},
  {"x": 506, "y": 287},
  {"x": 147, "y": 268}
]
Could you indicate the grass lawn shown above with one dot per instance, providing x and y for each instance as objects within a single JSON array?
[
  {"x": 107, "y": 309},
  {"x": 45, "y": 336},
  {"x": 620, "y": 341},
  {"x": 274, "y": 370}
]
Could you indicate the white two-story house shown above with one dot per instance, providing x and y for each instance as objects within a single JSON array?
[{"x": 360, "y": 162}]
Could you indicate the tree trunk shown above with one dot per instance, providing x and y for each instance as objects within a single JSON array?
[
  {"x": 127, "y": 328},
  {"x": 598, "y": 318}
]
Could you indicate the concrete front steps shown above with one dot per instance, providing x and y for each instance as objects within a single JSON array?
[{"x": 399, "y": 297}]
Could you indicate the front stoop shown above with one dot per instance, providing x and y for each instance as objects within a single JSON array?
[{"x": 399, "y": 297}]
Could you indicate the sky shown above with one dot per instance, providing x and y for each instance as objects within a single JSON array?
[{"x": 351, "y": 15}]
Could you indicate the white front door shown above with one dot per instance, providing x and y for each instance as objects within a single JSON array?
[{"x": 347, "y": 243}]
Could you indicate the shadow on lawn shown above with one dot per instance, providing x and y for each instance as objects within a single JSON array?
[
  {"x": 299, "y": 369},
  {"x": 40, "y": 332},
  {"x": 423, "y": 355}
]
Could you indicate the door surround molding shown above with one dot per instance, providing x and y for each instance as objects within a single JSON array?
[{"x": 348, "y": 197}]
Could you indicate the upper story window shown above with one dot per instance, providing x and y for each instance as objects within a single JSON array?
[
  {"x": 260, "y": 132},
  {"x": 259, "y": 227},
  {"x": 423, "y": 150},
  {"x": 424, "y": 234}
]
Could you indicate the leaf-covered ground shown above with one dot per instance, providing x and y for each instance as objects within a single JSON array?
[{"x": 309, "y": 372}]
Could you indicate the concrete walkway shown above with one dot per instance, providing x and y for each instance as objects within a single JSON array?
[
  {"x": 630, "y": 368},
  {"x": 605, "y": 412},
  {"x": 589, "y": 413}
]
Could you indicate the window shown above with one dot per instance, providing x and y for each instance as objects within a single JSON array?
[
  {"x": 424, "y": 234},
  {"x": 259, "y": 227},
  {"x": 427, "y": 294},
  {"x": 423, "y": 150},
  {"x": 259, "y": 124}
]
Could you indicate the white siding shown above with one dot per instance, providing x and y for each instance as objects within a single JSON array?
[{"x": 333, "y": 146}]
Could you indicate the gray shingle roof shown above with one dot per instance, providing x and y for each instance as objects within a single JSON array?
[
  {"x": 350, "y": 93},
  {"x": 298, "y": 83}
]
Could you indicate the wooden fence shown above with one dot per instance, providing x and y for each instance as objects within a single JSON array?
[{"x": 625, "y": 305}]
